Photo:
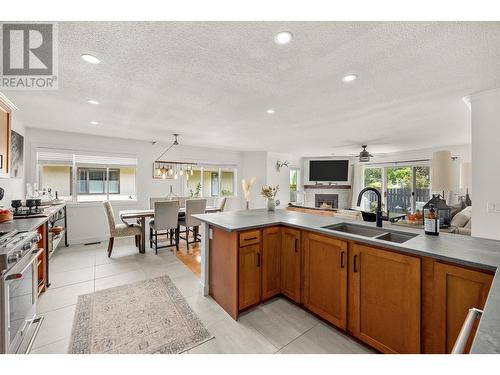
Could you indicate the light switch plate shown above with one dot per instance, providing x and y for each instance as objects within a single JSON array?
[
  {"x": 210, "y": 234},
  {"x": 493, "y": 208}
]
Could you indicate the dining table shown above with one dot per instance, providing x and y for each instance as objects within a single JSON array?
[{"x": 142, "y": 215}]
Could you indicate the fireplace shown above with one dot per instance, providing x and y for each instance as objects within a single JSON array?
[{"x": 326, "y": 200}]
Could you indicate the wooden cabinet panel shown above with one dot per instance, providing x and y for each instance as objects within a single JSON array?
[
  {"x": 290, "y": 263},
  {"x": 249, "y": 276},
  {"x": 223, "y": 270},
  {"x": 250, "y": 238},
  {"x": 271, "y": 249},
  {"x": 456, "y": 290},
  {"x": 325, "y": 277},
  {"x": 385, "y": 299},
  {"x": 4, "y": 140}
]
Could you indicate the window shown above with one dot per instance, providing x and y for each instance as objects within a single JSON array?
[
  {"x": 96, "y": 177},
  {"x": 211, "y": 181},
  {"x": 404, "y": 188},
  {"x": 55, "y": 171}
]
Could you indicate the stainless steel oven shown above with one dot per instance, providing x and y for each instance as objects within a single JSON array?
[{"x": 18, "y": 293}]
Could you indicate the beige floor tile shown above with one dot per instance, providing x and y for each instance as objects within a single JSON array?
[
  {"x": 280, "y": 321},
  {"x": 111, "y": 269},
  {"x": 232, "y": 337},
  {"x": 323, "y": 339},
  {"x": 59, "y": 279},
  {"x": 120, "y": 279},
  {"x": 57, "y": 298},
  {"x": 58, "y": 347},
  {"x": 55, "y": 327}
]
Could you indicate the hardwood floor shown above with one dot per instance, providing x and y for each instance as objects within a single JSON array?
[{"x": 192, "y": 260}]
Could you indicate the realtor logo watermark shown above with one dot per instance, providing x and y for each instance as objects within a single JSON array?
[{"x": 29, "y": 56}]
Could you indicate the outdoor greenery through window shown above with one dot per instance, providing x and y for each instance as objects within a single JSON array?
[
  {"x": 211, "y": 181},
  {"x": 405, "y": 189},
  {"x": 82, "y": 177}
]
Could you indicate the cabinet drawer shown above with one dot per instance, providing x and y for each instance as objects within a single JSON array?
[{"x": 249, "y": 238}]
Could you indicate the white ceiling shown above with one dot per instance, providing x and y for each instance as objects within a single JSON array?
[{"x": 213, "y": 82}]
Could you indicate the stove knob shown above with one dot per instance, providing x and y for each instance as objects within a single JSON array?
[
  {"x": 27, "y": 246},
  {"x": 14, "y": 257}
]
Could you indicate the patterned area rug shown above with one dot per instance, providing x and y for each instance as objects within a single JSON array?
[{"x": 150, "y": 316}]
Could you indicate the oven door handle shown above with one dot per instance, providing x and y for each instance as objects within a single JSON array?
[{"x": 19, "y": 275}]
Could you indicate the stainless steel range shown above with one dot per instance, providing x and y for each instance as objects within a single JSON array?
[{"x": 18, "y": 291}]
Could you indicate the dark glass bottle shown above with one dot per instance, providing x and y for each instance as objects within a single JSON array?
[{"x": 431, "y": 222}]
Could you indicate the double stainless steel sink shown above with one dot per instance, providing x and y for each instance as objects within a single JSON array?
[{"x": 376, "y": 233}]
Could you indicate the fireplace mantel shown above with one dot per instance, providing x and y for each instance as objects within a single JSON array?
[{"x": 326, "y": 186}]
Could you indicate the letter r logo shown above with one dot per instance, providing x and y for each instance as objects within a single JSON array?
[{"x": 27, "y": 49}]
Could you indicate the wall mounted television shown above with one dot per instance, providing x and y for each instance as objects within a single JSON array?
[{"x": 329, "y": 170}]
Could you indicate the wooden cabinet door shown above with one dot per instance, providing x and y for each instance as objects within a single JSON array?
[
  {"x": 384, "y": 299},
  {"x": 325, "y": 277},
  {"x": 271, "y": 249},
  {"x": 456, "y": 290},
  {"x": 249, "y": 276},
  {"x": 290, "y": 263},
  {"x": 4, "y": 140}
]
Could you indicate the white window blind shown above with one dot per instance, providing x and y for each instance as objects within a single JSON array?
[
  {"x": 105, "y": 161},
  {"x": 52, "y": 157}
]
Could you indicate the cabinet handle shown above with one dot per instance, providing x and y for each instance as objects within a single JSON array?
[
  {"x": 258, "y": 259},
  {"x": 250, "y": 238},
  {"x": 355, "y": 263},
  {"x": 296, "y": 245},
  {"x": 342, "y": 265}
]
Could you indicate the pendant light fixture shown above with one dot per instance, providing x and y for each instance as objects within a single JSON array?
[{"x": 171, "y": 169}]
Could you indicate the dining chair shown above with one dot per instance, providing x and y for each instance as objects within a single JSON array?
[
  {"x": 166, "y": 219},
  {"x": 120, "y": 230},
  {"x": 181, "y": 200},
  {"x": 193, "y": 207},
  {"x": 222, "y": 204}
]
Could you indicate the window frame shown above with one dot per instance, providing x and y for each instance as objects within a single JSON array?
[
  {"x": 74, "y": 166},
  {"x": 215, "y": 169},
  {"x": 384, "y": 187}
]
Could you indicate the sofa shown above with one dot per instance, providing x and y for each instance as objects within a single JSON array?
[{"x": 461, "y": 222}]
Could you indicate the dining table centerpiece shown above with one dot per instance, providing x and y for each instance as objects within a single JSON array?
[{"x": 270, "y": 192}]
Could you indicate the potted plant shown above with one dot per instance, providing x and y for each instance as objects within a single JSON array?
[{"x": 270, "y": 192}]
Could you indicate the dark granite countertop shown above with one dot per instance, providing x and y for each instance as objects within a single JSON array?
[
  {"x": 465, "y": 250},
  {"x": 24, "y": 224}
]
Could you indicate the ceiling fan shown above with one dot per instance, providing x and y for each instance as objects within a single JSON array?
[{"x": 364, "y": 156}]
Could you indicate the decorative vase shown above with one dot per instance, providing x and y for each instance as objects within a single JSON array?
[{"x": 271, "y": 204}]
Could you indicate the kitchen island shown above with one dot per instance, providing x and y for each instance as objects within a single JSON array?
[{"x": 424, "y": 284}]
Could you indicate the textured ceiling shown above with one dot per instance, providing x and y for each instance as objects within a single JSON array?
[{"x": 212, "y": 83}]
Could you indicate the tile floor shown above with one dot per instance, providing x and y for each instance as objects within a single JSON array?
[{"x": 277, "y": 326}]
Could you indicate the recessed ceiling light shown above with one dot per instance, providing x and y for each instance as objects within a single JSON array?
[
  {"x": 350, "y": 77},
  {"x": 91, "y": 59},
  {"x": 92, "y": 101},
  {"x": 94, "y": 123},
  {"x": 270, "y": 111},
  {"x": 283, "y": 37}
]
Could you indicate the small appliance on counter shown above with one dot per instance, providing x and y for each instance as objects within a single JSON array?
[{"x": 32, "y": 207}]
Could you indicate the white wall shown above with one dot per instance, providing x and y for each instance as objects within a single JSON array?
[
  {"x": 14, "y": 187},
  {"x": 87, "y": 222},
  {"x": 254, "y": 164},
  {"x": 485, "y": 169},
  {"x": 281, "y": 177}
]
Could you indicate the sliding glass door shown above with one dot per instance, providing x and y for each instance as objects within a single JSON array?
[
  {"x": 404, "y": 188},
  {"x": 399, "y": 189}
]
